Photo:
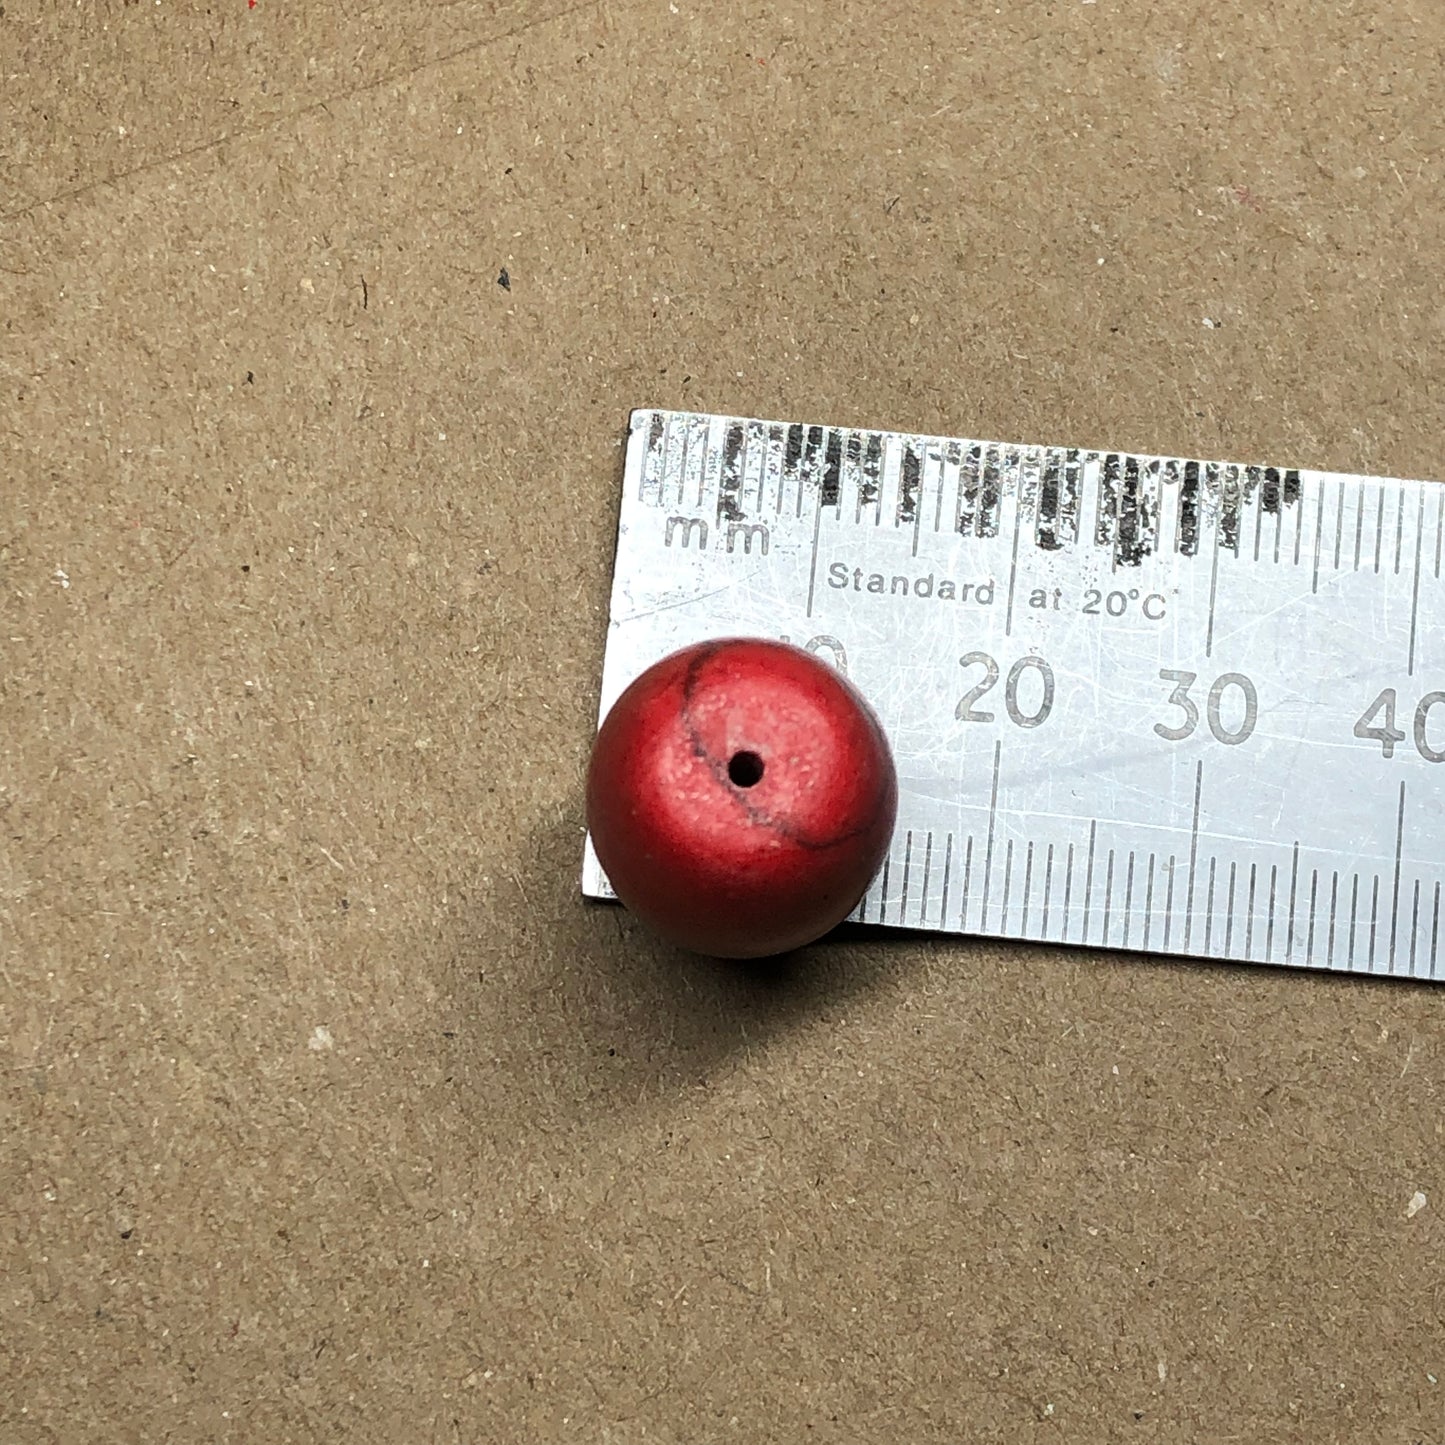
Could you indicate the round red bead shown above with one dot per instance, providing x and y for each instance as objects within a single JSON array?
[{"x": 741, "y": 797}]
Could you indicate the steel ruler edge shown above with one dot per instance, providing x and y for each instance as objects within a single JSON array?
[{"x": 1136, "y": 702}]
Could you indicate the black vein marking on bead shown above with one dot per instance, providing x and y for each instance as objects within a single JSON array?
[{"x": 742, "y": 797}]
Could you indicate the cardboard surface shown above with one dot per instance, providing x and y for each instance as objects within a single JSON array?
[{"x": 329, "y": 1110}]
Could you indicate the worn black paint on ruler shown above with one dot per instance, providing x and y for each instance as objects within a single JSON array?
[{"x": 1135, "y": 501}]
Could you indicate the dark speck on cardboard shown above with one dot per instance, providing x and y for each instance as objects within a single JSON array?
[
  {"x": 504, "y": 280},
  {"x": 250, "y": 378}
]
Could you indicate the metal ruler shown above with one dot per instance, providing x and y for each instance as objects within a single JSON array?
[{"x": 1136, "y": 702}]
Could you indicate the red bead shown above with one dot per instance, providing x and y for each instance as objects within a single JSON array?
[{"x": 741, "y": 797}]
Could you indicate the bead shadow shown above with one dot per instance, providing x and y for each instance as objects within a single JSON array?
[{"x": 625, "y": 1016}]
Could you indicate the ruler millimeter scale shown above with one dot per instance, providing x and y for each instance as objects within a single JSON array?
[{"x": 1135, "y": 702}]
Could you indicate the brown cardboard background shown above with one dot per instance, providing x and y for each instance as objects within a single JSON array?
[{"x": 299, "y": 746}]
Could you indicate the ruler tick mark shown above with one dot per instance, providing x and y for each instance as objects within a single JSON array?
[
  {"x": 1374, "y": 917},
  {"x": 1048, "y": 888},
  {"x": 1339, "y": 525},
  {"x": 1068, "y": 892},
  {"x": 988, "y": 850},
  {"x": 1399, "y": 527},
  {"x": 1169, "y": 902},
  {"x": 1013, "y": 571},
  {"x": 1249, "y": 915},
  {"x": 1359, "y": 522},
  {"x": 1252, "y": 480},
  {"x": 1193, "y": 853},
  {"x": 947, "y": 869},
  {"x": 1415, "y": 586},
  {"x": 907, "y": 870},
  {"x": 1128, "y": 897},
  {"x": 1209, "y": 909},
  {"x": 1089, "y": 882},
  {"x": 883, "y": 892},
  {"x": 1229, "y": 910},
  {"x": 1414, "y": 926},
  {"x": 772, "y": 466},
  {"x": 1314, "y": 896},
  {"x": 1108, "y": 898},
  {"x": 813, "y": 564},
  {"x": 1334, "y": 906},
  {"x": 1213, "y": 593},
  {"x": 1293, "y": 894},
  {"x": 1269, "y": 930},
  {"x": 1395, "y": 889},
  {"x": 927, "y": 870},
  {"x": 1435, "y": 932},
  {"x": 1319, "y": 534},
  {"x": 967, "y": 878},
  {"x": 1354, "y": 915},
  {"x": 1008, "y": 873},
  {"x": 910, "y": 490},
  {"x": 1149, "y": 903},
  {"x": 1028, "y": 888},
  {"x": 1379, "y": 528}
]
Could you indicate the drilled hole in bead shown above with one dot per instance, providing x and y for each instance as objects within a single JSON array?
[{"x": 745, "y": 770}]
